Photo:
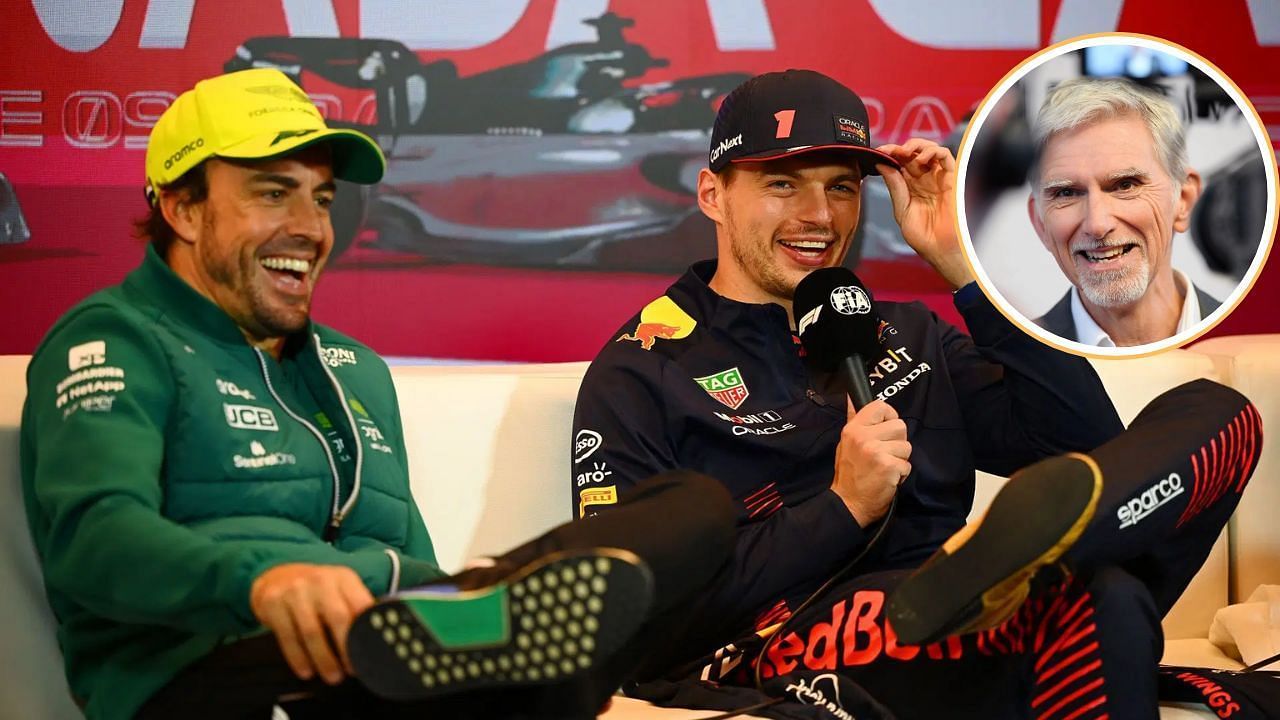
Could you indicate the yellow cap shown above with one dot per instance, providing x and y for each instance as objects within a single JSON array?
[{"x": 251, "y": 114}]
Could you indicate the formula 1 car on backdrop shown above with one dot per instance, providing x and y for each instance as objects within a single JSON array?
[{"x": 554, "y": 161}]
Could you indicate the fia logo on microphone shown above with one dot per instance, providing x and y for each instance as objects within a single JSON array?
[{"x": 850, "y": 300}]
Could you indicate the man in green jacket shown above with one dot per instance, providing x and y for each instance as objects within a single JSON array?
[{"x": 201, "y": 462}]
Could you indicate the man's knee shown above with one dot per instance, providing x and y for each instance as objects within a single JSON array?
[{"x": 1201, "y": 396}]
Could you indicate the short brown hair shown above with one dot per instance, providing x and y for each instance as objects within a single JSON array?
[{"x": 153, "y": 228}]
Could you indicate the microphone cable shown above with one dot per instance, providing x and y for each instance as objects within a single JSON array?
[{"x": 786, "y": 624}]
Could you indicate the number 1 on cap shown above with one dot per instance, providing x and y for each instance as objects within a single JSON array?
[{"x": 784, "y": 118}]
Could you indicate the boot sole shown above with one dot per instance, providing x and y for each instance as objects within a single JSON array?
[
  {"x": 547, "y": 622},
  {"x": 1036, "y": 517}
]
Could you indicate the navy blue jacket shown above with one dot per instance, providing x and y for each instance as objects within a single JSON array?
[{"x": 701, "y": 382}]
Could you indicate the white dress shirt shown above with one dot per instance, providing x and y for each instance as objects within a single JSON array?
[{"x": 1090, "y": 333}]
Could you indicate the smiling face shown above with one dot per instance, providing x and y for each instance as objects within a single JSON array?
[
  {"x": 779, "y": 220},
  {"x": 257, "y": 244},
  {"x": 1106, "y": 209}
]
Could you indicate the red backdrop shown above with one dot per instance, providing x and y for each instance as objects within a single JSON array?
[{"x": 78, "y": 94}]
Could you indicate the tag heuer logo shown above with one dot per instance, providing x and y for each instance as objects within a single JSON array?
[{"x": 726, "y": 386}]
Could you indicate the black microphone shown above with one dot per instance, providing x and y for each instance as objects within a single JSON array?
[{"x": 837, "y": 325}]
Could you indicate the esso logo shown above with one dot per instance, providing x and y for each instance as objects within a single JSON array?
[{"x": 585, "y": 443}]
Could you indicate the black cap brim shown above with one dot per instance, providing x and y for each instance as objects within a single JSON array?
[{"x": 868, "y": 158}]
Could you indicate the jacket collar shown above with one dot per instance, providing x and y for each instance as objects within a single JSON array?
[
  {"x": 161, "y": 287},
  {"x": 693, "y": 293}
]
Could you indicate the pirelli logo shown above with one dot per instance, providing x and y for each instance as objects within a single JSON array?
[{"x": 596, "y": 496}]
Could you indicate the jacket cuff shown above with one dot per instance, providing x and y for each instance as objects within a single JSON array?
[
  {"x": 833, "y": 527},
  {"x": 251, "y": 570},
  {"x": 414, "y": 572},
  {"x": 967, "y": 294},
  {"x": 987, "y": 325}
]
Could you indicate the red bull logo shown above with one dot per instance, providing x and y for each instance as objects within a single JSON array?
[
  {"x": 661, "y": 318},
  {"x": 647, "y": 333}
]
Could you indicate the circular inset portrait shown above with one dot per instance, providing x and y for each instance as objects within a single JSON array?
[{"x": 1117, "y": 195}]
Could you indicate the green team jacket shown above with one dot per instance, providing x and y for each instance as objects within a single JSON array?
[{"x": 166, "y": 463}]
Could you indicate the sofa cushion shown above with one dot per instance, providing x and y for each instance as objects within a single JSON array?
[{"x": 488, "y": 452}]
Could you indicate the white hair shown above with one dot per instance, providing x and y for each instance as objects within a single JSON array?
[{"x": 1088, "y": 100}]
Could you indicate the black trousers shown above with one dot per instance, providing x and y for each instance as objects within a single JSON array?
[
  {"x": 1087, "y": 643},
  {"x": 680, "y": 523}
]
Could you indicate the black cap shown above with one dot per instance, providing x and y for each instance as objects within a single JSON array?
[{"x": 780, "y": 114}]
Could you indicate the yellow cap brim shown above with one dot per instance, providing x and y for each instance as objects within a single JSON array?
[{"x": 356, "y": 157}]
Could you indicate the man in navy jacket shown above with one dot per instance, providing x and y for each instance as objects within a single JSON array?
[{"x": 711, "y": 377}]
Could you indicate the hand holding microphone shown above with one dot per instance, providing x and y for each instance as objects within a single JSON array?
[
  {"x": 838, "y": 328},
  {"x": 871, "y": 461}
]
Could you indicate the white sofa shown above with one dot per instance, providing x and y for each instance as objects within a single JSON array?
[{"x": 492, "y": 471}]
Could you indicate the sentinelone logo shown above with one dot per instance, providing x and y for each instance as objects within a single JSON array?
[
  {"x": 1151, "y": 499},
  {"x": 261, "y": 458}
]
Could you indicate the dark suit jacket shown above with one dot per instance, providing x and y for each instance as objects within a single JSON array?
[{"x": 1059, "y": 321}]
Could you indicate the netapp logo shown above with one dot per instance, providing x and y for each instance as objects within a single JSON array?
[
  {"x": 1132, "y": 512},
  {"x": 718, "y": 150},
  {"x": 184, "y": 151}
]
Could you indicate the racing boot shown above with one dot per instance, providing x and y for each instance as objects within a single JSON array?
[
  {"x": 982, "y": 574},
  {"x": 546, "y": 622}
]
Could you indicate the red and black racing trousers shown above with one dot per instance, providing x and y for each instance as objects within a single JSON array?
[{"x": 1087, "y": 642}]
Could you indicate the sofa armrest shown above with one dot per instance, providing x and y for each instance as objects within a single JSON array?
[{"x": 1251, "y": 364}]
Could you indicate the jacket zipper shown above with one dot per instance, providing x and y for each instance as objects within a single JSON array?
[
  {"x": 341, "y": 513},
  {"x": 335, "y": 520}
]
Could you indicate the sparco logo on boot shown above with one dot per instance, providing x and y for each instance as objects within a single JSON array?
[
  {"x": 1132, "y": 512},
  {"x": 183, "y": 151}
]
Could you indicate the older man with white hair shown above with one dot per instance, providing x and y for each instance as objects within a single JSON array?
[{"x": 1109, "y": 188}]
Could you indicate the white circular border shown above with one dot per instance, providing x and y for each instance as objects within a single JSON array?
[{"x": 1135, "y": 40}]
